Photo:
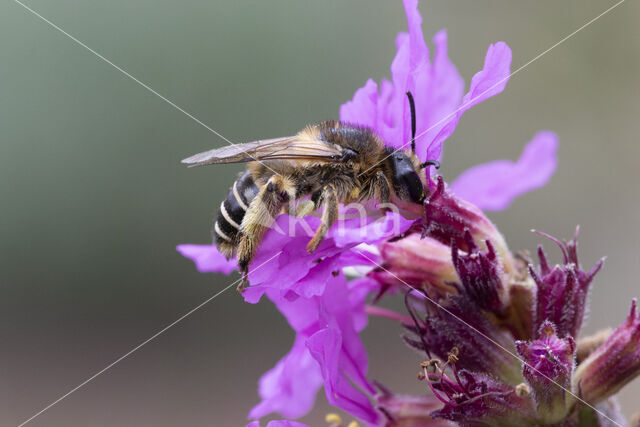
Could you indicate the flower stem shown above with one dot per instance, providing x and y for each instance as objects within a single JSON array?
[{"x": 374, "y": 310}]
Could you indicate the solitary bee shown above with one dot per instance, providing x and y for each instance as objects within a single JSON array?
[{"x": 331, "y": 162}]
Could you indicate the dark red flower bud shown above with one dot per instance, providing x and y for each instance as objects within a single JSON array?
[
  {"x": 612, "y": 365},
  {"x": 548, "y": 365},
  {"x": 562, "y": 290}
]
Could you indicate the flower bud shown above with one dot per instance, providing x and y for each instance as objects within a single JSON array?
[
  {"x": 562, "y": 290},
  {"x": 459, "y": 323},
  {"x": 549, "y": 362},
  {"x": 481, "y": 276},
  {"x": 410, "y": 411},
  {"x": 613, "y": 364},
  {"x": 481, "y": 400},
  {"x": 448, "y": 217},
  {"x": 420, "y": 263}
]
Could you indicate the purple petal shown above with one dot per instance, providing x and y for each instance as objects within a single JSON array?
[
  {"x": 493, "y": 77},
  {"x": 369, "y": 229},
  {"x": 339, "y": 313},
  {"x": 313, "y": 284},
  {"x": 439, "y": 95},
  {"x": 489, "y": 81},
  {"x": 388, "y": 114},
  {"x": 282, "y": 257},
  {"x": 301, "y": 313},
  {"x": 492, "y": 186},
  {"x": 418, "y": 51},
  {"x": 437, "y": 88},
  {"x": 278, "y": 423},
  {"x": 297, "y": 270},
  {"x": 325, "y": 347},
  {"x": 207, "y": 258},
  {"x": 330, "y": 323},
  {"x": 291, "y": 386},
  {"x": 393, "y": 130},
  {"x": 411, "y": 63},
  {"x": 285, "y": 423},
  {"x": 363, "y": 109},
  {"x": 359, "y": 289}
]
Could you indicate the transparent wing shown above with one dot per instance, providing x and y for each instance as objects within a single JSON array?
[{"x": 289, "y": 148}]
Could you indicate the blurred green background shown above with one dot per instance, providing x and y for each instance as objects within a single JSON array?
[{"x": 94, "y": 198}]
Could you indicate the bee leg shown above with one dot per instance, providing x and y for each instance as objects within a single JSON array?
[
  {"x": 329, "y": 216},
  {"x": 243, "y": 283},
  {"x": 382, "y": 190},
  {"x": 305, "y": 208},
  {"x": 260, "y": 215}
]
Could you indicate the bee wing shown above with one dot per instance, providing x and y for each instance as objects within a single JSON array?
[{"x": 287, "y": 148}]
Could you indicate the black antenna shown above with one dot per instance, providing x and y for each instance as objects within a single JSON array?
[
  {"x": 434, "y": 163},
  {"x": 412, "y": 105}
]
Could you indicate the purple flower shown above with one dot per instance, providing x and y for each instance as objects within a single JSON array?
[
  {"x": 327, "y": 312},
  {"x": 436, "y": 86},
  {"x": 614, "y": 363},
  {"x": 549, "y": 363}
]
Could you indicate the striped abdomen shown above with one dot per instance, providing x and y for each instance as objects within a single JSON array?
[{"x": 232, "y": 211}]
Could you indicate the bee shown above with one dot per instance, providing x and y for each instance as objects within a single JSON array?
[{"x": 332, "y": 162}]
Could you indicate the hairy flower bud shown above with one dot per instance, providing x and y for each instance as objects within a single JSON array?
[
  {"x": 549, "y": 362},
  {"x": 481, "y": 276},
  {"x": 448, "y": 218},
  {"x": 612, "y": 365},
  {"x": 562, "y": 290},
  {"x": 520, "y": 319},
  {"x": 458, "y": 323},
  {"x": 475, "y": 399}
]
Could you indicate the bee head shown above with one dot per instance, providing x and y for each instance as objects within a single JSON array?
[
  {"x": 405, "y": 168},
  {"x": 404, "y": 172}
]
